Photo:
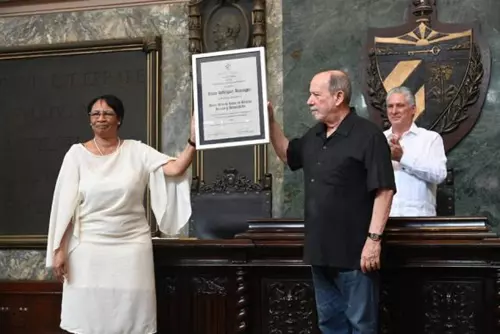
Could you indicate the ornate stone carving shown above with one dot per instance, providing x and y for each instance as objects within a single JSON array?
[
  {"x": 210, "y": 285},
  {"x": 291, "y": 307},
  {"x": 376, "y": 90},
  {"x": 226, "y": 27},
  {"x": 463, "y": 98},
  {"x": 450, "y": 307},
  {"x": 423, "y": 8},
  {"x": 447, "y": 67}
]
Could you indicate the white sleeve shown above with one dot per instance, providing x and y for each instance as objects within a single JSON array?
[
  {"x": 428, "y": 164},
  {"x": 170, "y": 196},
  {"x": 64, "y": 205}
]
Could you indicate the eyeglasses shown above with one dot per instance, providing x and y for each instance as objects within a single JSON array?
[{"x": 105, "y": 113}]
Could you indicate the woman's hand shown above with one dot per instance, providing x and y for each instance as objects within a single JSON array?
[{"x": 61, "y": 264}]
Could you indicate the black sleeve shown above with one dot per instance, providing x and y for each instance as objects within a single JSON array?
[
  {"x": 378, "y": 164},
  {"x": 294, "y": 153}
]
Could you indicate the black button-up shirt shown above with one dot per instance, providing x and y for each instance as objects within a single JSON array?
[{"x": 341, "y": 175}]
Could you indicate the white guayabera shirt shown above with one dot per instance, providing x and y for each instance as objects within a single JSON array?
[{"x": 421, "y": 169}]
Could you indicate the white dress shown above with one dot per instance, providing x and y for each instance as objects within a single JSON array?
[{"x": 110, "y": 287}]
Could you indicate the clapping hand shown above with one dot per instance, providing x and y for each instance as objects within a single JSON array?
[{"x": 396, "y": 149}]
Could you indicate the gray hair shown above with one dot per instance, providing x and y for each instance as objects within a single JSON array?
[
  {"x": 342, "y": 83},
  {"x": 405, "y": 91}
]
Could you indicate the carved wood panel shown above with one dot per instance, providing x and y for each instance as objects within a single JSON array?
[
  {"x": 437, "y": 301},
  {"x": 451, "y": 307},
  {"x": 289, "y": 306},
  {"x": 171, "y": 310},
  {"x": 200, "y": 300}
]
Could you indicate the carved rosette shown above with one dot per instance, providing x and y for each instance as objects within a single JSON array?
[{"x": 242, "y": 302}]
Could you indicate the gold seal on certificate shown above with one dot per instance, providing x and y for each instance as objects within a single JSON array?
[{"x": 230, "y": 98}]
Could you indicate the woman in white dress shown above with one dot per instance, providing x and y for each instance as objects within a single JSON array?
[{"x": 99, "y": 241}]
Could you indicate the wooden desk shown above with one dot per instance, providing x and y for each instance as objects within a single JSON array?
[{"x": 438, "y": 277}]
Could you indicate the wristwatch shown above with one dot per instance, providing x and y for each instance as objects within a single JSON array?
[
  {"x": 192, "y": 143},
  {"x": 375, "y": 236}
]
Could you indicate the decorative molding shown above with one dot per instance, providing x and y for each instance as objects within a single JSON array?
[
  {"x": 229, "y": 182},
  {"x": 18, "y": 8},
  {"x": 152, "y": 43}
]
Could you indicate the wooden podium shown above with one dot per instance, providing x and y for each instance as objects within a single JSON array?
[{"x": 440, "y": 275}]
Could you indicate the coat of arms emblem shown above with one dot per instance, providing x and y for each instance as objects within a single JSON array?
[{"x": 447, "y": 67}]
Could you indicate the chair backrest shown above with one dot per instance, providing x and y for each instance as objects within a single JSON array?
[{"x": 223, "y": 208}]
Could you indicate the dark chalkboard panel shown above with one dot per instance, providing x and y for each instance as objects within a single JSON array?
[{"x": 44, "y": 92}]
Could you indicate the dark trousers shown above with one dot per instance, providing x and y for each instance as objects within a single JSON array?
[{"x": 346, "y": 300}]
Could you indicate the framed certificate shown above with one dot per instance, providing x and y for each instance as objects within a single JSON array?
[{"x": 230, "y": 98}]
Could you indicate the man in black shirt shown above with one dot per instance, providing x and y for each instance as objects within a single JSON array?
[{"x": 349, "y": 185}]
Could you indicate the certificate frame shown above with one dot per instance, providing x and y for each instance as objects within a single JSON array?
[{"x": 224, "y": 128}]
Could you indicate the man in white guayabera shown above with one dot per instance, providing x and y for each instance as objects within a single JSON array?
[{"x": 418, "y": 157}]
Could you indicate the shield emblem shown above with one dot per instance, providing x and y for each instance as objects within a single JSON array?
[{"x": 445, "y": 66}]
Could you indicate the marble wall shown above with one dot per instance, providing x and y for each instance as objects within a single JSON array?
[
  {"x": 318, "y": 35},
  {"x": 170, "y": 21}
]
